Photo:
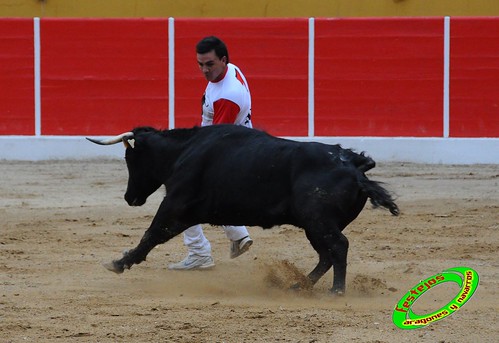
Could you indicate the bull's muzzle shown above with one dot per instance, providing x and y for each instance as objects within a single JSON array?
[{"x": 133, "y": 201}]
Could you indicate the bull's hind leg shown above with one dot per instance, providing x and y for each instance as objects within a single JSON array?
[{"x": 332, "y": 247}]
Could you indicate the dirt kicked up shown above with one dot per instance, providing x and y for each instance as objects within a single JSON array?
[{"x": 59, "y": 220}]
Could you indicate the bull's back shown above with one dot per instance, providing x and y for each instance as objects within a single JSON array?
[{"x": 241, "y": 176}]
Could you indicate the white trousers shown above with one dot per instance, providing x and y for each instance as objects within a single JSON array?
[{"x": 198, "y": 244}]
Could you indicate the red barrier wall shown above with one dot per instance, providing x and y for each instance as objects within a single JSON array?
[
  {"x": 474, "y": 69},
  {"x": 103, "y": 76},
  {"x": 380, "y": 77},
  {"x": 17, "y": 104},
  {"x": 373, "y": 77}
]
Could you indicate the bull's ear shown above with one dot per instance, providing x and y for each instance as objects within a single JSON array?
[{"x": 129, "y": 143}]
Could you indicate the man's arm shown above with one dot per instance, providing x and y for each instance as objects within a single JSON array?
[{"x": 225, "y": 111}]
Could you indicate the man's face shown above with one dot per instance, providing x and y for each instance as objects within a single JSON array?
[{"x": 211, "y": 66}]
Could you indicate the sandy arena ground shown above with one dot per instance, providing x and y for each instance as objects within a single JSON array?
[{"x": 61, "y": 219}]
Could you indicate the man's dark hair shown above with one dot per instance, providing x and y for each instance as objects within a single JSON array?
[{"x": 210, "y": 43}]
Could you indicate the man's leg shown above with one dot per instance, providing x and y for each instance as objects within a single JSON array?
[
  {"x": 199, "y": 254},
  {"x": 240, "y": 240}
]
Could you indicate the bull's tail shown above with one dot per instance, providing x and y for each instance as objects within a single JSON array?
[{"x": 378, "y": 195}]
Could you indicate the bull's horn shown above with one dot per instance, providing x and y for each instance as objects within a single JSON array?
[{"x": 113, "y": 140}]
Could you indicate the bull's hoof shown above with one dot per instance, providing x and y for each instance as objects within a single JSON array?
[
  {"x": 113, "y": 267},
  {"x": 302, "y": 286},
  {"x": 337, "y": 292}
]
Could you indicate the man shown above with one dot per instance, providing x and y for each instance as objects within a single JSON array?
[{"x": 227, "y": 100}]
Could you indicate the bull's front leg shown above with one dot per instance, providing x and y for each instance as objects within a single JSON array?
[
  {"x": 158, "y": 233},
  {"x": 137, "y": 255}
]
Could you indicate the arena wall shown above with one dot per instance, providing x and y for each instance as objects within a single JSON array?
[{"x": 402, "y": 89}]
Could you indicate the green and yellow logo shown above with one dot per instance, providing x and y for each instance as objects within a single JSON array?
[{"x": 406, "y": 319}]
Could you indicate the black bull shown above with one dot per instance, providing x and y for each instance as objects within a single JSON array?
[{"x": 231, "y": 175}]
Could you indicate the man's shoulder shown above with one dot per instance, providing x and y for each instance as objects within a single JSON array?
[
  {"x": 235, "y": 69},
  {"x": 233, "y": 66}
]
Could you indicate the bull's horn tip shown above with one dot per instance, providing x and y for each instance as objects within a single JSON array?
[{"x": 94, "y": 140}]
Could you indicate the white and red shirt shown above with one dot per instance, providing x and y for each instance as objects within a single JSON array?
[{"x": 227, "y": 101}]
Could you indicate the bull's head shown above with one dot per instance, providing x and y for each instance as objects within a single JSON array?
[{"x": 142, "y": 180}]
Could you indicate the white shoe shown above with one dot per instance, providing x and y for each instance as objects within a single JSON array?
[
  {"x": 239, "y": 247},
  {"x": 193, "y": 262}
]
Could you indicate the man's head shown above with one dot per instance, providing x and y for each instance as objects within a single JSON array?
[{"x": 213, "y": 57}]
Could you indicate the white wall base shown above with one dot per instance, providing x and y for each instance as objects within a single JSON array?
[{"x": 381, "y": 149}]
